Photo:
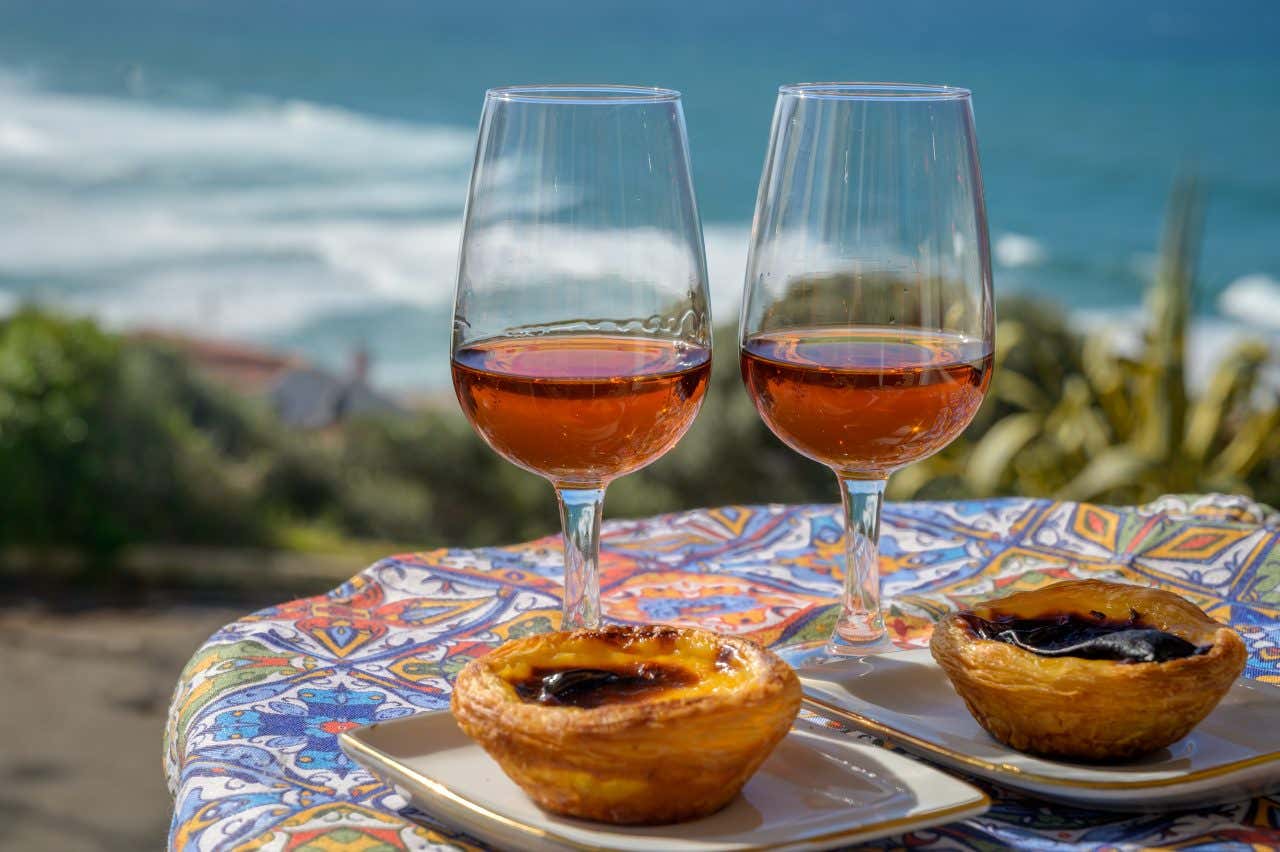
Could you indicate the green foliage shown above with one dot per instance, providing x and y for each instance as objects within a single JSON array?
[
  {"x": 1071, "y": 418},
  {"x": 102, "y": 444},
  {"x": 465, "y": 488}
]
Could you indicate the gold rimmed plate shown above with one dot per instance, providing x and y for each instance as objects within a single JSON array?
[
  {"x": 818, "y": 790},
  {"x": 905, "y": 697}
]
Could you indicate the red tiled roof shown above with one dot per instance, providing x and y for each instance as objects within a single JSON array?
[{"x": 244, "y": 368}]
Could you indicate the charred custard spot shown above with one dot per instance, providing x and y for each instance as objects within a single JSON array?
[
  {"x": 727, "y": 658},
  {"x": 663, "y": 637},
  {"x": 1091, "y": 637},
  {"x": 588, "y": 688}
]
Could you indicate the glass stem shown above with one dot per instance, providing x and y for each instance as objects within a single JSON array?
[
  {"x": 861, "y": 623},
  {"x": 580, "y": 510}
]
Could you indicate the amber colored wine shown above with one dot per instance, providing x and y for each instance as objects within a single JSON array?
[
  {"x": 866, "y": 400},
  {"x": 581, "y": 408}
]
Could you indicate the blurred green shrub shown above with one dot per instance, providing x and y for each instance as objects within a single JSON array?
[
  {"x": 103, "y": 444},
  {"x": 1069, "y": 417}
]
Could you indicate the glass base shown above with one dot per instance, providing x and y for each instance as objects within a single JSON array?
[
  {"x": 802, "y": 655},
  {"x": 856, "y": 628},
  {"x": 843, "y": 646}
]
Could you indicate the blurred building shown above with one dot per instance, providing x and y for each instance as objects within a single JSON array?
[{"x": 303, "y": 395}]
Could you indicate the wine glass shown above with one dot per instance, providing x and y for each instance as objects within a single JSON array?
[
  {"x": 867, "y": 318},
  {"x": 582, "y": 329}
]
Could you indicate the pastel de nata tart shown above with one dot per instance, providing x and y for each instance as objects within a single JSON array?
[
  {"x": 628, "y": 725},
  {"x": 1087, "y": 669}
]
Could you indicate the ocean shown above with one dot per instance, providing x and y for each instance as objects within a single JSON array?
[{"x": 292, "y": 173}]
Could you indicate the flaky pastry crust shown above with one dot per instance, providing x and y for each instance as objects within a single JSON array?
[
  {"x": 1086, "y": 709},
  {"x": 678, "y": 755}
]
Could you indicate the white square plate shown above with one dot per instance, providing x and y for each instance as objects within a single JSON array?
[
  {"x": 817, "y": 790},
  {"x": 905, "y": 697}
]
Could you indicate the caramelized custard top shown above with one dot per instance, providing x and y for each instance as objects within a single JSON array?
[
  {"x": 1092, "y": 637},
  {"x": 583, "y": 687},
  {"x": 616, "y": 667}
]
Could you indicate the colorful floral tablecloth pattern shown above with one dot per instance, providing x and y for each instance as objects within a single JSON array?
[{"x": 251, "y": 746}]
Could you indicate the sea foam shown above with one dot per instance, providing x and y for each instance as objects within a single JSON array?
[
  {"x": 253, "y": 218},
  {"x": 135, "y": 210},
  {"x": 1014, "y": 250},
  {"x": 1253, "y": 299}
]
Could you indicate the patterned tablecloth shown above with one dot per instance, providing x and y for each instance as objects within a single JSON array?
[{"x": 251, "y": 750}]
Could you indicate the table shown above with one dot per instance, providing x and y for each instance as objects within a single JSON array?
[{"x": 251, "y": 752}]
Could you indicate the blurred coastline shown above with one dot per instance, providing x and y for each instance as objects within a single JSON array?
[{"x": 297, "y": 181}]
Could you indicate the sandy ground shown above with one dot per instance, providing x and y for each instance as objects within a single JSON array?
[{"x": 82, "y": 718}]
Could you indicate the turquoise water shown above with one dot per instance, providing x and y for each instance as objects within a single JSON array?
[{"x": 292, "y": 173}]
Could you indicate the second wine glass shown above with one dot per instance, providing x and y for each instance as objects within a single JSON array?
[
  {"x": 867, "y": 321},
  {"x": 581, "y": 332}
]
